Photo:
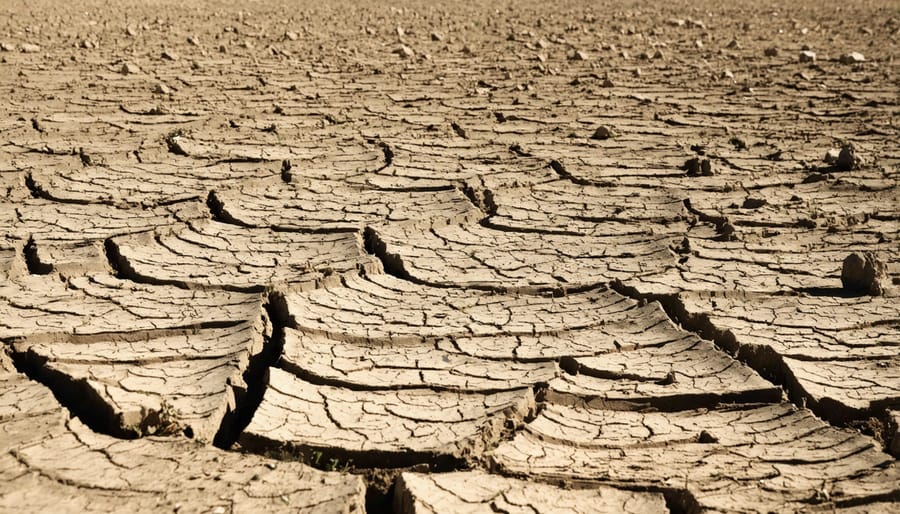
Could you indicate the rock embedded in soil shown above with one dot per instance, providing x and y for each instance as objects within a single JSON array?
[
  {"x": 603, "y": 132},
  {"x": 894, "y": 432},
  {"x": 807, "y": 56},
  {"x": 852, "y": 58},
  {"x": 847, "y": 159},
  {"x": 405, "y": 51},
  {"x": 864, "y": 272},
  {"x": 698, "y": 166},
  {"x": 129, "y": 69}
]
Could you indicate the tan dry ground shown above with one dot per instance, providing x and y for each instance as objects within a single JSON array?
[{"x": 525, "y": 257}]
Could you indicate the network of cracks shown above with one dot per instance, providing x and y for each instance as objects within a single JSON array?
[{"x": 526, "y": 263}]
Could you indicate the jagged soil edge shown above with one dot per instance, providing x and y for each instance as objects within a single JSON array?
[
  {"x": 765, "y": 361},
  {"x": 256, "y": 375}
]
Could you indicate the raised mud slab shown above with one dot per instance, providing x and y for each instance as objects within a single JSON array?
[{"x": 403, "y": 257}]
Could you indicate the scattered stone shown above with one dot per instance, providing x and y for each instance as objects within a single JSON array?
[
  {"x": 290, "y": 35},
  {"x": 169, "y": 55},
  {"x": 847, "y": 159},
  {"x": 864, "y": 272},
  {"x": 6, "y": 47},
  {"x": 807, "y": 56},
  {"x": 771, "y": 52},
  {"x": 162, "y": 89},
  {"x": 831, "y": 156},
  {"x": 129, "y": 69},
  {"x": 435, "y": 36},
  {"x": 404, "y": 51},
  {"x": 852, "y": 58},
  {"x": 697, "y": 166},
  {"x": 675, "y": 22},
  {"x": 753, "y": 203},
  {"x": 193, "y": 40},
  {"x": 603, "y": 132},
  {"x": 130, "y": 31},
  {"x": 894, "y": 447},
  {"x": 29, "y": 48},
  {"x": 87, "y": 44},
  {"x": 580, "y": 55}
]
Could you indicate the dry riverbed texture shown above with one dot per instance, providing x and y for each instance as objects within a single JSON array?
[{"x": 395, "y": 257}]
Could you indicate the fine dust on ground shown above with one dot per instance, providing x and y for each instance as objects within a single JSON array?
[{"x": 402, "y": 257}]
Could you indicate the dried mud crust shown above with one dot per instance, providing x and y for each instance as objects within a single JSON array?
[
  {"x": 134, "y": 359},
  {"x": 515, "y": 257},
  {"x": 472, "y": 491},
  {"x": 748, "y": 458},
  {"x": 53, "y": 462}
]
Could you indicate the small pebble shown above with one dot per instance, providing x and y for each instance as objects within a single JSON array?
[
  {"x": 129, "y": 69},
  {"x": 580, "y": 55},
  {"x": 852, "y": 58},
  {"x": 807, "y": 56},
  {"x": 404, "y": 51},
  {"x": 603, "y": 132}
]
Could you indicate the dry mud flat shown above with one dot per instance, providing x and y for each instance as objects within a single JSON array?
[{"x": 518, "y": 258}]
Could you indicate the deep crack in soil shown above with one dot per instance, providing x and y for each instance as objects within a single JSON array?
[{"x": 517, "y": 257}]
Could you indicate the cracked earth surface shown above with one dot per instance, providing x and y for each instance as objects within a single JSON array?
[{"x": 406, "y": 258}]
